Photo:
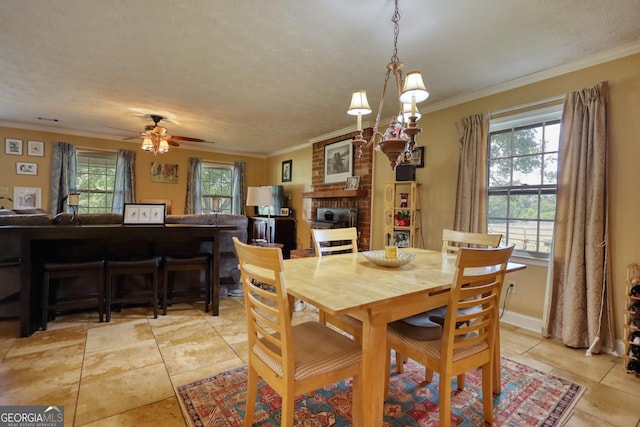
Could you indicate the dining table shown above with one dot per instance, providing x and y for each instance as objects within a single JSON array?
[{"x": 376, "y": 295}]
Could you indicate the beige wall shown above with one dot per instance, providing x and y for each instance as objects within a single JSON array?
[{"x": 145, "y": 189}]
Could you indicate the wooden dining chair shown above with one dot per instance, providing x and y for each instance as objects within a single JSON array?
[
  {"x": 330, "y": 241},
  {"x": 428, "y": 325},
  {"x": 468, "y": 340},
  {"x": 292, "y": 359},
  {"x": 453, "y": 240},
  {"x": 334, "y": 240}
]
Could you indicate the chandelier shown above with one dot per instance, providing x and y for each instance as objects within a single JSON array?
[
  {"x": 155, "y": 139},
  {"x": 399, "y": 139}
]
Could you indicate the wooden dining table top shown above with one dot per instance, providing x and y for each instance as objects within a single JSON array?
[{"x": 346, "y": 283}]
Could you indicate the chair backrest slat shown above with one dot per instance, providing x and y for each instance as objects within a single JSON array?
[
  {"x": 453, "y": 240},
  {"x": 323, "y": 237}
]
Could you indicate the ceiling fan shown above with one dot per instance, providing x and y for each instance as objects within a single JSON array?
[{"x": 160, "y": 132}]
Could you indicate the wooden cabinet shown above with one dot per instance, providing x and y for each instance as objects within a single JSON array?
[
  {"x": 402, "y": 222},
  {"x": 280, "y": 229},
  {"x": 632, "y": 321}
]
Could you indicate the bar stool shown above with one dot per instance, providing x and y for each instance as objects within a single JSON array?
[
  {"x": 148, "y": 267},
  {"x": 61, "y": 270},
  {"x": 172, "y": 293}
]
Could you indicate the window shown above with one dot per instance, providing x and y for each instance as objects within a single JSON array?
[
  {"x": 523, "y": 170},
  {"x": 216, "y": 188},
  {"x": 96, "y": 176}
]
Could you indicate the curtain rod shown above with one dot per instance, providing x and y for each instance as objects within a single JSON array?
[
  {"x": 104, "y": 150},
  {"x": 528, "y": 105}
]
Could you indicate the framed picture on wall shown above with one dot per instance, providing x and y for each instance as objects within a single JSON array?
[
  {"x": 352, "y": 183},
  {"x": 338, "y": 161},
  {"x": 287, "y": 170},
  {"x": 24, "y": 168},
  {"x": 27, "y": 198},
  {"x": 13, "y": 146},
  {"x": 35, "y": 148}
]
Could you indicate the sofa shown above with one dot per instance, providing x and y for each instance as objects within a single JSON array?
[{"x": 228, "y": 273}]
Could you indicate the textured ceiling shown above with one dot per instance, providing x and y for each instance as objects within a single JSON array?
[{"x": 263, "y": 76}]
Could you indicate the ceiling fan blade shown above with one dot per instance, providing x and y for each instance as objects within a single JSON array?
[
  {"x": 126, "y": 130},
  {"x": 172, "y": 143},
  {"x": 186, "y": 138},
  {"x": 133, "y": 137}
]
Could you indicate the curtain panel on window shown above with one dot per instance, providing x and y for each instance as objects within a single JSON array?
[
  {"x": 237, "y": 189},
  {"x": 193, "y": 202},
  {"x": 124, "y": 190},
  {"x": 578, "y": 299},
  {"x": 471, "y": 195},
  {"x": 63, "y": 175}
]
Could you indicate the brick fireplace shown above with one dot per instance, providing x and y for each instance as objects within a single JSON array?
[{"x": 335, "y": 196}]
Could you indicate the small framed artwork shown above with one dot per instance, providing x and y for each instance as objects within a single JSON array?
[
  {"x": 401, "y": 238},
  {"x": 23, "y": 168},
  {"x": 338, "y": 161},
  {"x": 352, "y": 183},
  {"x": 144, "y": 213},
  {"x": 417, "y": 157},
  {"x": 35, "y": 148},
  {"x": 27, "y": 198},
  {"x": 287, "y": 170},
  {"x": 13, "y": 146},
  {"x": 284, "y": 211},
  {"x": 164, "y": 172}
]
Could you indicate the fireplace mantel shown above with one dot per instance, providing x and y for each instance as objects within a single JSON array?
[{"x": 334, "y": 194}]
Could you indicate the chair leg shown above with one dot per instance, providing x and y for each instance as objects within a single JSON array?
[
  {"x": 401, "y": 359},
  {"x": 207, "y": 293},
  {"x": 155, "y": 293},
  {"x": 45, "y": 302},
  {"x": 487, "y": 391},
  {"x": 444, "y": 389},
  {"x": 288, "y": 406},
  {"x": 460, "y": 381},
  {"x": 165, "y": 289},
  {"x": 108, "y": 291},
  {"x": 252, "y": 391},
  {"x": 101, "y": 295}
]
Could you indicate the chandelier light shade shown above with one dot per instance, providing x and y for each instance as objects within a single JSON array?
[{"x": 400, "y": 136}]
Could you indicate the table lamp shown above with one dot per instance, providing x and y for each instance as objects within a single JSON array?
[
  {"x": 261, "y": 196},
  {"x": 73, "y": 200}
]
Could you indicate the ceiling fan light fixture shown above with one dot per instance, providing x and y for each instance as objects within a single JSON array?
[
  {"x": 163, "y": 147},
  {"x": 147, "y": 144}
]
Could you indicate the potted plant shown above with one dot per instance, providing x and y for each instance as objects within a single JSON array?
[{"x": 402, "y": 218}]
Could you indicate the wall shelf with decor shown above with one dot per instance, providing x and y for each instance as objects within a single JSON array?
[
  {"x": 402, "y": 213},
  {"x": 632, "y": 321}
]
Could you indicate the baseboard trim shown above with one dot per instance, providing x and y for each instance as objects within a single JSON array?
[
  {"x": 526, "y": 322},
  {"x": 534, "y": 324}
]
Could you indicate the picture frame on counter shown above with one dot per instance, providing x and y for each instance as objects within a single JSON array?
[
  {"x": 352, "y": 183},
  {"x": 144, "y": 213},
  {"x": 27, "y": 198}
]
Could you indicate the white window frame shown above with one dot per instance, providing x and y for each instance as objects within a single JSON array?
[
  {"x": 84, "y": 206},
  {"x": 513, "y": 121},
  {"x": 208, "y": 199}
]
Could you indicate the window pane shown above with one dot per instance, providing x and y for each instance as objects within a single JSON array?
[
  {"x": 550, "y": 169},
  {"x": 523, "y": 206},
  {"x": 548, "y": 207},
  {"x": 527, "y": 141},
  {"x": 95, "y": 181},
  {"x": 499, "y": 172},
  {"x": 216, "y": 188},
  {"x": 551, "y": 136},
  {"x": 500, "y": 144},
  {"x": 526, "y": 170},
  {"x": 498, "y": 206}
]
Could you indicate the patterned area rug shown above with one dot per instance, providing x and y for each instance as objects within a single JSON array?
[{"x": 529, "y": 398}]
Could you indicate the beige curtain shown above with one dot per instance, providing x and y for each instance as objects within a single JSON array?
[
  {"x": 578, "y": 300},
  {"x": 471, "y": 196}
]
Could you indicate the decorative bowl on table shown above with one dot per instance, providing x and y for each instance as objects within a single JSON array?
[{"x": 378, "y": 258}]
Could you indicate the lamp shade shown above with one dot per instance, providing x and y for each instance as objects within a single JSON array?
[
  {"x": 413, "y": 87},
  {"x": 259, "y": 196},
  {"x": 406, "y": 113},
  {"x": 359, "y": 103},
  {"x": 147, "y": 145},
  {"x": 73, "y": 199},
  {"x": 164, "y": 146}
]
